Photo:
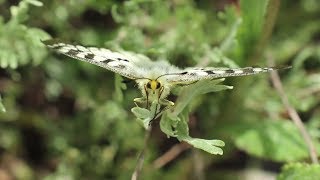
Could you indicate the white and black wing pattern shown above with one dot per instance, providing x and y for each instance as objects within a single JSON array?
[
  {"x": 190, "y": 75},
  {"x": 121, "y": 63}
]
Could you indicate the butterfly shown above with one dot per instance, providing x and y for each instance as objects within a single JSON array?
[{"x": 155, "y": 79}]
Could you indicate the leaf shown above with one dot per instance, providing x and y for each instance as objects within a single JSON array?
[
  {"x": 25, "y": 45},
  {"x": 145, "y": 116},
  {"x": 167, "y": 124},
  {"x": 275, "y": 140},
  {"x": 300, "y": 171},
  {"x": 178, "y": 127},
  {"x": 175, "y": 123},
  {"x": 182, "y": 127},
  {"x": 210, "y": 146},
  {"x": 140, "y": 112},
  {"x": 201, "y": 87}
]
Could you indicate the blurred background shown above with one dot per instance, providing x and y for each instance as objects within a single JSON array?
[{"x": 66, "y": 119}]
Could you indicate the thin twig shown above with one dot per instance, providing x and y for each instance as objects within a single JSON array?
[
  {"x": 170, "y": 155},
  {"x": 292, "y": 112},
  {"x": 139, "y": 165},
  {"x": 198, "y": 165}
]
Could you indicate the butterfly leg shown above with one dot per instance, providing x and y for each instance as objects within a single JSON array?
[
  {"x": 166, "y": 103},
  {"x": 162, "y": 102},
  {"x": 147, "y": 95},
  {"x": 141, "y": 100}
]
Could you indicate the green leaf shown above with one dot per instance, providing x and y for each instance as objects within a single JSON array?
[
  {"x": 210, "y": 146},
  {"x": 175, "y": 123},
  {"x": 25, "y": 45},
  {"x": 145, "y": 116},
  {"x": 167, "y": 124},
  {"x": 277, "y": 140},
  {"x": 182, "y": 127},
  {"x": 178, "y": 127},
  {"x": 140, "y": 112},
  {"x": 300, "y": 171},
  {"x": 201, "y": 87}
]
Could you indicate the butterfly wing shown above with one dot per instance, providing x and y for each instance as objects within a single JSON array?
[
  {"x": 122, "y": 63},
  {"x": 191, "y": 75}
]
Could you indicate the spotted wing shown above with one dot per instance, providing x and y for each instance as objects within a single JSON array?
[
  {"x": 190, "y": 75},
  {"x": 122, "y": 63}
]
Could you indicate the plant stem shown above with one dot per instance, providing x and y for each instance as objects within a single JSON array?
[
  {"x": 292, "y": 112},
  {"x": 170, "y": 155},
  {"x": 139, "y": 165}
]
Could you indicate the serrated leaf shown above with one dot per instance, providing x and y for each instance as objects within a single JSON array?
[
  {"x": 300, "y": 171},
  {"x": 25, "y": 45},
  {"x": 201, "y": 87},
  {"x": 179, "y": 129},
  {"x": 210, "y": 146}
]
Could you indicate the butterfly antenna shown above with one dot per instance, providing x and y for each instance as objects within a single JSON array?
[
  {"x": 142, "y": 78},
  {"x": 169, "y": 75}
]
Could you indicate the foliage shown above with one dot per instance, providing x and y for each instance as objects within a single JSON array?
[
  {"x": 20, "y": 44},
  {"x": 300, "y": 171},
  {"x": 64, "y": 119},
  {"x": 262, "y": 139}
]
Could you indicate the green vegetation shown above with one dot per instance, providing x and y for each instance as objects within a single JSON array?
[{"x": 65, "y": 119}]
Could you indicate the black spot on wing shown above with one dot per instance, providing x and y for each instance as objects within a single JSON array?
[
  {"x": 121, "y": 59},
  {"x": 248, "y": 70},
  {"x": 183, "y": 73},
  {"x": 107, "y": 61},
  {"x": 73, "y": 52},
  {"x": 89, "y": 56},
  {"x": 229, "y": 71},
  {"x": 209, "y": 72}
]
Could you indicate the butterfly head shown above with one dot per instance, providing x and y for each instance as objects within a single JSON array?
[
  {"x": 153, "y": 85},
  {"x": 153, "y": 89}
]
